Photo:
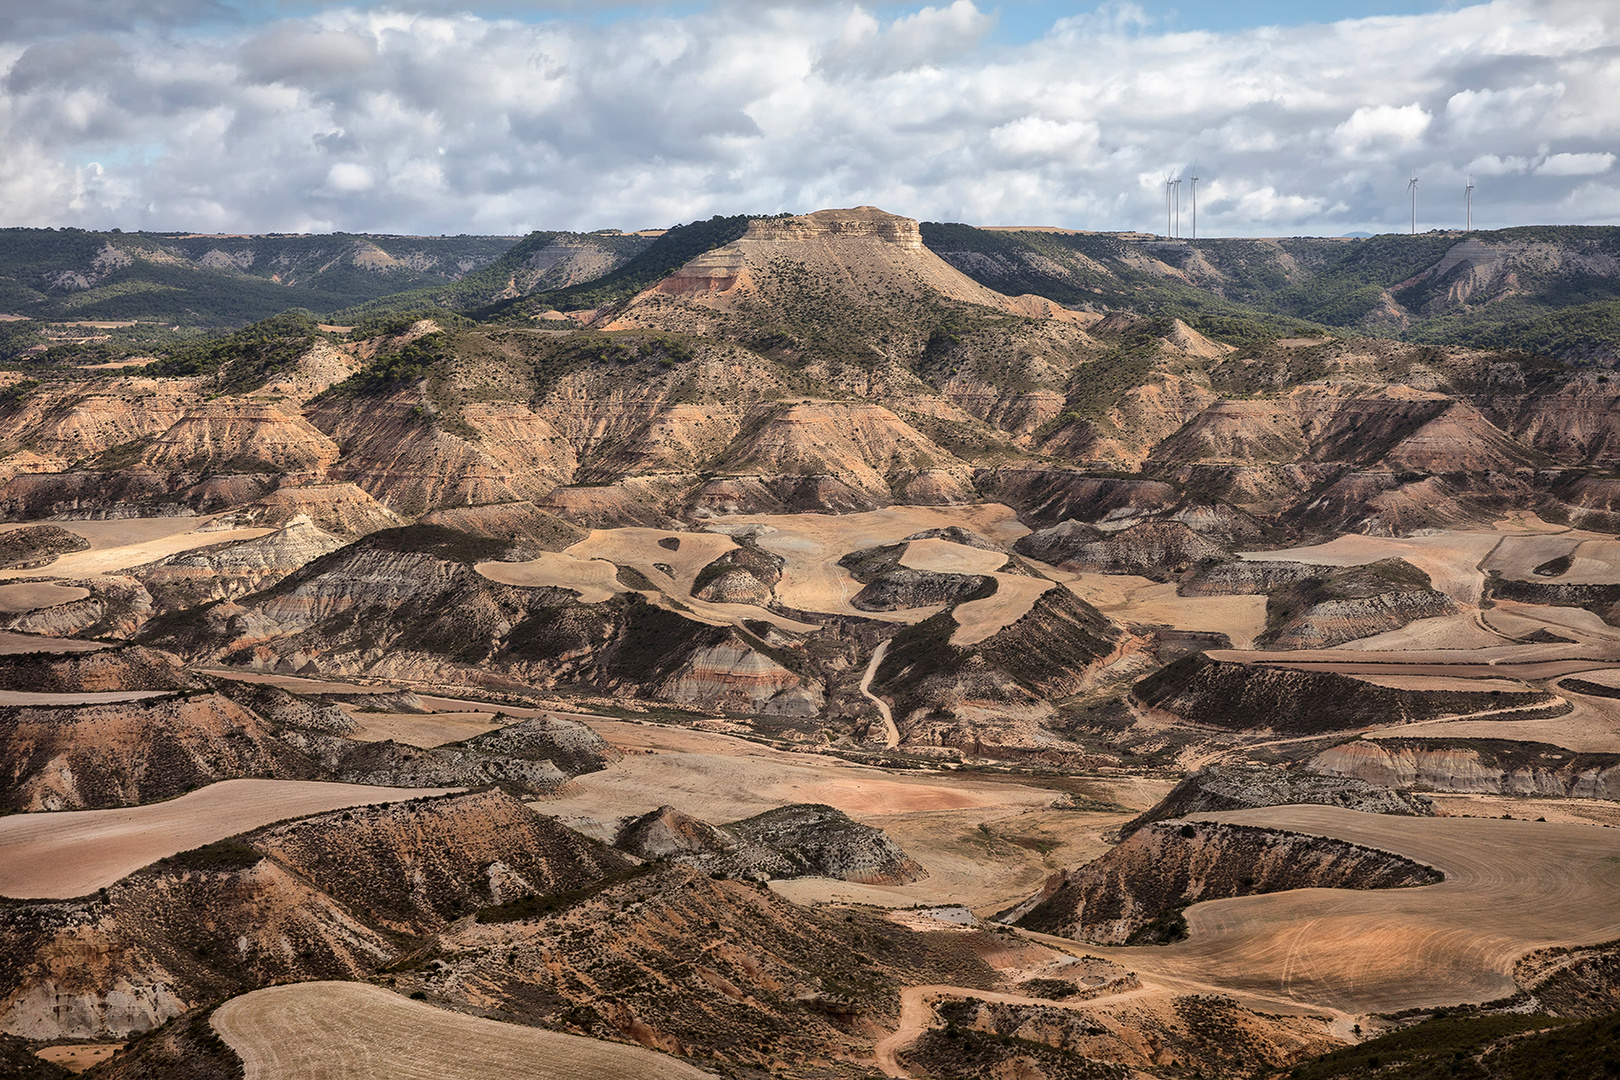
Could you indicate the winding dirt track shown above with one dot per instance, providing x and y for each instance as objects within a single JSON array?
[
  {"x": 1511, "y": 887},
  {"x": 892, "y": 738},
  {"x": 355, "y": 1031},
  {"x": 61, "y": 855}
]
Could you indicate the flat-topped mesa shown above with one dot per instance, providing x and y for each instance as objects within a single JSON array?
[
  {"x": 861, "y": 222},
  {"x": 722, "y": 269},
  {"x": 856, "y": 244}
]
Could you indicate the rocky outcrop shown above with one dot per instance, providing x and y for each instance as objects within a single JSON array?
[
  {"x": 668, "y": 834},
  {"x": 1481, "y": 766},
  {"x": 1334, "y": 622},
  {"x": 129, "y": 667},
  {"x": 1241, "y": 787},
  {"x": 1253, "y": 697},
  {"x": 1046, "y": 495},
  {"x": 531, "y": 759},
  {"x": 394, "y": 449},
  {"x": 1154, "y": 549},
  {"x": 336, "y": 896},
  {"x": 193, "y": 578},
  {"x": 1247, "y": 578},
  {"x": 525, "y": 526},
  {"x": 820, "y": 841},
  {"x": 124, "y": 753},
  {"x": 862, "y": 445},
  {"x": 990, "y": 698},
  {"x": 744, "y": 575},
  {"x": 568, "y": 744},
  {"x": 1134, "y": 893},
  {"x": 118, "y": 607},
  {"x": 889, "y": 586},
  {"x": 240, "y": 437},
  {"x": 413, "y": 866},
  {"x": 340, "y": 509},
  {"x": 788, "y": 842},
  {"x": 391, "y": 764},
  {"x": 37, "y": 545},
  {"x": 730, "y": 674}
]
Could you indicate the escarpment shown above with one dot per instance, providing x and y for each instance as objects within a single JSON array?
[
  {"x": 1241, "y": 787},
  {"x": 1483, "y": 766},
  {"x": 1254, "y": 697},
  {"x": 1132, "y": 894}
]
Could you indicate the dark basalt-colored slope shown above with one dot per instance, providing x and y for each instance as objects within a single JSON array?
[
  {"x": 1252, "y": 697},
  {"x": 1131, "y": 894},
  {"x": 1240, "y": 787}
]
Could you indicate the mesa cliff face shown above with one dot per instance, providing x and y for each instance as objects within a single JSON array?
[{"x": 1490, "y": 767}]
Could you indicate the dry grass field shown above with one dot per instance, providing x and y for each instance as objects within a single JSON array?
[
  {"x": 142, "y": 540},
  {"x": 1451, "y": 559},
  {"x": 72, "y": 853},
  {"x": 12, "y": 643},
  {"x": 355, "y": 1031},
  {"x": 24, "y": 697},
  {"x": 979, "y": 619},
  {"x": 812, "y": 544},
  {"x": 28, "y": 595},
  {"x": 591, "y": 568},
  {"x": 1142, "y": 601},
  {"x": 985, "y": 843},
  {"x": 594, "y": 579},
  {"x": 77, "y": 1057},
  {"x": 640, "y": 548},
  {"x": 1511, "y": 887}
]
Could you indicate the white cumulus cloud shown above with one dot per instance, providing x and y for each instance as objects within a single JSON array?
[{"x": 420, "y": 117}]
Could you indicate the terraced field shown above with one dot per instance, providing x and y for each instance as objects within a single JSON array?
[{"x": 354, "y": 1031}]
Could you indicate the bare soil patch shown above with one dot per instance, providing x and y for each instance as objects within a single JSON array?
[
  {"x": 812, "y": 544},
  {"x": 944, "y": 557},
  {"x": 77, "y": 1057},
  {"x": 594, "y": 579},
  {"x": 110, "y": 552},
  {"x": 980, "y": 619},
  {"x": 1511, "y": 886},
  {"x": 1140, "y": 600},
  {"x": 355, "y": 1031},
  {"x": 1445, "y": 632},
  {"x": 12, "y": 643},
  {"x": 416, "y": 729},
  {"x": 1451, "y": 559},
  {"x": 76, "y": 852},
  {"x": 30, "y": 595}
]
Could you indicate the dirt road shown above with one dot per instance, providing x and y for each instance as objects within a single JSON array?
[{"x": 892, "y": 739}]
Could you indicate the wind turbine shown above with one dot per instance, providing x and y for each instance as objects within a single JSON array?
[
  {"x": 1177, "y": 183},
  {"x": 1411, "y": 186},
  {"x": 1468, "y": 201},
  {"x": 1167, "y": 184},
  {"x": 1195, "y": 207}
]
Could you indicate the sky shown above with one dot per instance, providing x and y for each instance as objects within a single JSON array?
[{"x": 502, "y": 116}]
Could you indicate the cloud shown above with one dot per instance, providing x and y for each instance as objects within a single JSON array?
[
  {"x": 419, "y": 117},
  {"x": 1575, "y": 165},
  {"x": 1382, "y": 125}
]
